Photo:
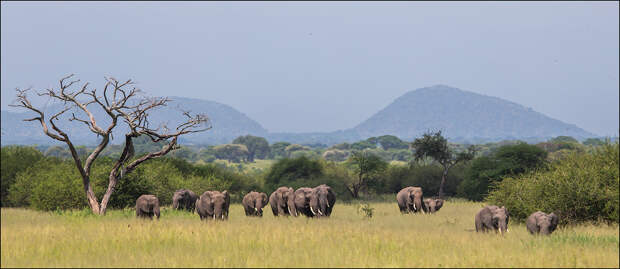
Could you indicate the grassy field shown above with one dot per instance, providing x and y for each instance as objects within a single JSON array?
[{"x": 389, "y": 239}]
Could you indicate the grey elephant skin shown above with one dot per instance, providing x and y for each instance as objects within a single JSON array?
[
  {"x": 322, "y": 200},
  {"x": 184, "y": 199},
  {"x": 253, "y": 203},
  {"x": 282, "y": 202},
  {"x": 541, "y": 223},
  {"x": 147, "y": 205},
  {"x": 302, "y": 201},
  {"x": 433, "y": 205},
  {"x": 213, "y": 205},
  {"x": 410, "y": 200},
  {"x": 492, "y": 218}
]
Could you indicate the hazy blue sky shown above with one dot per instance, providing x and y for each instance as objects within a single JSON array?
[{"x": 324, "y": 66}]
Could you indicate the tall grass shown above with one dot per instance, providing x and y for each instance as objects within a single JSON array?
[{"x": 347, "y": 239}]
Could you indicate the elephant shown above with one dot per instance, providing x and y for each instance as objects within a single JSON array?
[
  {"x": 254, "y": 202},
  {"x": 492, "y": 218},
  {"x": 410, "y": 200},
  {"x": 322, "y": 201},
  {"x": 282, "y": 202},
  {"x": 541, "y": 223},
  {"x": 302, "y": 201},
  {"x": 184, "y": 199},
  {"x": 433, "y": 205},
  {"x": 147, "y": 205},
  {"x": 213, "y": 204}
]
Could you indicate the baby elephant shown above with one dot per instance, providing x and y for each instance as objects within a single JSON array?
[
  {"x": 492, "y": 218},
  {"x": 433, "y": 205},
  {"x": 147, "y": 205},
  {"x": 254, "y": 202},
  {"x": 541, "y": 223}
]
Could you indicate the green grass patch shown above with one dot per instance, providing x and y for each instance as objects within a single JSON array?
[{"x": 347, "y": 239}]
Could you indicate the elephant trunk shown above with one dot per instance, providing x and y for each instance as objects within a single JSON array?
[{"x": 417, "y": 205}]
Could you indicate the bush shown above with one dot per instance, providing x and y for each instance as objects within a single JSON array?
[
  {"x": 14, "y": 160},
  {"x": 289, "y": 170},
  {"x": 508, "y": 160},
  {"x": 581, "y": 187},
  {"x": 48, "y": 185}
]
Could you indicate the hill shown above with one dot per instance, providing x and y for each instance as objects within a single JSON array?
[
  {"x": 226, "y": 121},
  {"x": 462, "y": 115}
]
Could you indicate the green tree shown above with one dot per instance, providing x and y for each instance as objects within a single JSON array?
[
  {"x": 294, "y": 147},
  {"x": 233, "y": 152},
  {"x": 288, "y": 170},
  {"x": 58, "y": 152},
  {"x": 258, "y": 147},
  {"x": 594, "y": 142},
  {"x": 435, "y": 146},
  {"x": 367, "y": 167},
  {"x": 341, "y": 146},
  {"x": 278, "y": 149},
  {"x": 391, "y": 142},
  {"x": 335, "y": 155},
  {"x": 14, "y": 160},
  {"x": 362, "y": 145},
  {"x": 509, "y": 160}
]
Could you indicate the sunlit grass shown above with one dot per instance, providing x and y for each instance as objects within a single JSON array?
[{"x": 389, "y": 239}]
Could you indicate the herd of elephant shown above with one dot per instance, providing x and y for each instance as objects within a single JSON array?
[{"x": 319, "y": 202}]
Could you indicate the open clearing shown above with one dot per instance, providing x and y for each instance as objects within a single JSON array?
[{"x": 389, "y": 239}]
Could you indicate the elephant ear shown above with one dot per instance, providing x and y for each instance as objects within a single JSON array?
[
  {"x": 554, "y": 221},
  {"x": 410, "y": 197},
  {"x": 226, "y": 196},
  {"x": 438, "y": 204},
  {"x": 264, "y": 196}
]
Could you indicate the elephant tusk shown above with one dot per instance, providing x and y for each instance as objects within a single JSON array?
[
  {"x": 290, "y": 212},
  {"x": 506, "y": 229},
  {"x": 213, "y": 216},
  {"x": 500, "y": 231},
  {"x": 255, "y": 209},
  {"x": 321, "y": 213},
  {"x": 312, "y": 211},
  {"x": 328, "y": 203},
  {"x": 414, "y": 209},
  {"x": 222, "y": 216}
]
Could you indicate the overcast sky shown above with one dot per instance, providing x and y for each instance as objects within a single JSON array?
[{"x": 325, "y": 66}]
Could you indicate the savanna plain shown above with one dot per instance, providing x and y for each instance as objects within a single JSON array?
[{"x": 346, "y": 239}]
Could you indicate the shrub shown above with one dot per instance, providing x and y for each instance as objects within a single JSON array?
[
  {"x": 48, "y": 185},
  {"x": 289, "y": 170},
  {"x": 581, "y": 187},
  {"x": 508, "y": 160},
  {"x": 14, "y": 160}
]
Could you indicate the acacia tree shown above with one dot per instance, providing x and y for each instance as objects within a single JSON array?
[
  {"x": 366, "y": 166},
  {"x": 120, "y": 101},
  {"x": 257, "y": 146},
  {"x": 435, "y": 146}
]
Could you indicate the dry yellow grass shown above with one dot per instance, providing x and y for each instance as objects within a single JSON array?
[{"x": 389, "y": 239}]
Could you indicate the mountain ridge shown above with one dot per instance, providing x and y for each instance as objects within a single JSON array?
[{"x": 462, "y": 115}]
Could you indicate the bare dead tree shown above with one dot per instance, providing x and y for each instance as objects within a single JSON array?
[{"x": 120, "y": 101}]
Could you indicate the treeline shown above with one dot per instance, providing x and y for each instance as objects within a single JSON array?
[{"x": 512, "y": 173}]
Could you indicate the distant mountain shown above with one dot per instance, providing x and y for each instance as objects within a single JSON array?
[
  {"x": 462, "y": 115},
  {"x": 227, "y": 123}
]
